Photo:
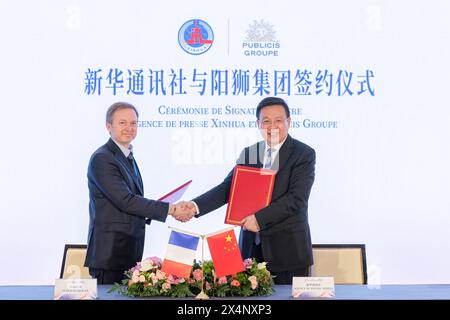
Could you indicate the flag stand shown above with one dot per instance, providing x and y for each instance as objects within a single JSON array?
[{"x": 202, "y": 295}]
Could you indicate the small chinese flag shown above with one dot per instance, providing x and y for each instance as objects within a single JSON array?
[{"x": 225, "y": 253}]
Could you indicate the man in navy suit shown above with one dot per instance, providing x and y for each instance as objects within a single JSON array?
[
  {"x": 117, "y": 208},
  {"x": 278, "y": 233}
]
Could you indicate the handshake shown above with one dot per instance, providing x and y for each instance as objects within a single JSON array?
[{"x": 183, "y": 211}]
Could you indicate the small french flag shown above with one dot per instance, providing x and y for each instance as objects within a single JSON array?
[{"x": 180, "y": 254}]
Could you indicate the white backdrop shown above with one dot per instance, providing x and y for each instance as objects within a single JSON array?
[{"x": 382, "y": 176}]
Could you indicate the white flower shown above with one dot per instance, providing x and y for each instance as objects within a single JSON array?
[
  {"x": 261, "y": 265},
  {"x": 146, "y": 265},
  {"x": 253, "y": 281}
]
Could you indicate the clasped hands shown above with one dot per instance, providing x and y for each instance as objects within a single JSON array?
[{"x": 184, "y": 211}]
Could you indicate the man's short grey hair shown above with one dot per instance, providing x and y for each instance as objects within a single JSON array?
[{"x": 118, "y": 106}]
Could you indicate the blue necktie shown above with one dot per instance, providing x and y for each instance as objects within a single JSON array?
[
  {"x": 133, "y": 164},
  {"x": 267, "y": 165}
]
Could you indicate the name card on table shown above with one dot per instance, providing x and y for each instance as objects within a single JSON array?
[
  {"x": 313, "y": 287},
  {"x": 75, "y": 289}
]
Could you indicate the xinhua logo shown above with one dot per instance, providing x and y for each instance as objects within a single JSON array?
[{"x": 195, "y": 36}]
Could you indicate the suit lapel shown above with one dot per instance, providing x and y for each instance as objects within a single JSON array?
[
  {"x": 282, "y": 159},
  {"x": 118, "y": 154},
  {"x": 261, "y": 150},
  {"x": 141, "y": 184},
  {"x": 284, "y": 153}
]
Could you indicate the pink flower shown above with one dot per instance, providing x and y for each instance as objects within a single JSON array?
[
  {"x": 155, "y": 261},
  {"x": 135, "y": 279},
  {"x": 175, "y": 279},
  {"x": 222, "y": 280},
  {"x": 154, "y": 278},
  {"x": 235, "y": 283},
  {"x": 190, "y": 281},
  {"x": 253, "y": 281},
  {"x": 208, "y": 285},
  {"x": 136, "y": 268},
  {"x": 198, "y": 274},
  {"x": 166, "y": 286},
  {"x": 136, "y": 273},
  {"x": 248, "y": 263},
  {"x": 130, "y": 282},
  {"x": 160, "y": 275}
]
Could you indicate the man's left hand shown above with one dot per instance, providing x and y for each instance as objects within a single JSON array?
[{"x": 250, "y": 223}]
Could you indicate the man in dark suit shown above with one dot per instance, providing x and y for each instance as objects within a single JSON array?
[
  {"x": 278, "y": 233},
  {"x": 117, "y": 208}
]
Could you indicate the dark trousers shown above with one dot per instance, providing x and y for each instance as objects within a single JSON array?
[
  {"x": 284, "y": 277},
  {"x": 104, "y": 276}
]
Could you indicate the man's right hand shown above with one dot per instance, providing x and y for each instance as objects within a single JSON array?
[{"x": 183, "y": 211}]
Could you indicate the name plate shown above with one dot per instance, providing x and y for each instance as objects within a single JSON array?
[
  {"x": 313, "y": 287},
  {"x": 75, "y": 289}
]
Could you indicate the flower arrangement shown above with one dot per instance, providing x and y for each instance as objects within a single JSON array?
[{"x": 147, "y": 280}]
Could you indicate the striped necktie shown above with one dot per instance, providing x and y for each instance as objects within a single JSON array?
[{"x": 267, "y": 165}]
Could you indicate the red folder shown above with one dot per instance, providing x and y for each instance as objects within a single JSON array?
[
  {"x": 175, "y": 194},
  {"x": 251, "y": 190}
]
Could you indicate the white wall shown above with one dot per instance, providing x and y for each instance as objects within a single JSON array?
[{"x": 382, "y": 176}]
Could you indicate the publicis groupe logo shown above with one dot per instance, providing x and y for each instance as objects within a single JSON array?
[
  {"x": 261, "y": 40},
  {"x": 195, "y": 36}
]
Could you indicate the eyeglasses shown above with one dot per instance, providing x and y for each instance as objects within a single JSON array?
[{"x": 267, "y": 123}]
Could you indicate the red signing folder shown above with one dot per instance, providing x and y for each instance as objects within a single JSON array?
[
  {"x": 175, "y": 194},
  {"x": 251, "y": 190}
]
